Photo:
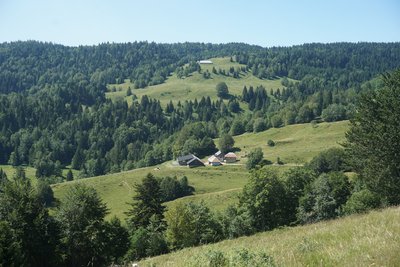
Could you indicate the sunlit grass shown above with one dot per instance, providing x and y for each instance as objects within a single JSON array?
[
  {"x": 218, "y": 187},
  {"x": 118, "y": 189},
  {"x": 195, "y": 86},
  {"x": 361, "y": 240},
  {"x": 295, "y": 143}
]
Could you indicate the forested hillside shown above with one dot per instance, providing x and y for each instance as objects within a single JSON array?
[{"x": 53, "y": 110}]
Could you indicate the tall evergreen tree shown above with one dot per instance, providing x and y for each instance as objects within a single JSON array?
[
  {"x": 70, "y": 175},
  {"x": 147, "y": 202},
  {"x": 78, "y": 159},
  {"x": 373, "y": 141}
]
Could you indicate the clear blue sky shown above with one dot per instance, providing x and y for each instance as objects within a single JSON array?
[{"x": 266, "y": 23}]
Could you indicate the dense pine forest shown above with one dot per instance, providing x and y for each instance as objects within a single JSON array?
[{"x": 53, "y": 110}]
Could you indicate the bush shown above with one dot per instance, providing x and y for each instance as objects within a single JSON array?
[
  {"x": 255, "y": 157},
  {"x": 324, "y": 197},
  {"x": 334, "y": 112},
  {"x": 172, "y": 189},
  {"x": 237, "y": 258},
  {"x": 147, "y": 241},
  {"x": 259, "y": 125},
  {"x": 276, "y": 121},
  {"x": 361, "y": 201},
  {"x": 191, "y": 224},
  {"x": 271, "y": 143},
  {"x": 329, "y": 160},
  {"x": 237, "y": 127},
  {"x": 236, "y": 222},
  {"x": 222, "y": 90}
]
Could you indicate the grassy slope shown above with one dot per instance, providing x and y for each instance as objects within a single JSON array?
[
  {"x": 195, "y": 86},
  {"x": 29, "y": 172},
  {"x": 10, "y": 171},
  {"x": 219, "y": 186},
  {"x": 295, "y": 143},
  {"x": 117, "y": 189},
  {"x": 361, "y": 240}
]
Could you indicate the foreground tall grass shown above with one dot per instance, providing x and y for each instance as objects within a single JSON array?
[{"x": 371, "y": 239}]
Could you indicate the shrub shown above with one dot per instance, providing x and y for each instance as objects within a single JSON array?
[
  {"x": 271, "y": 143},
  {"x": 237, "y": 258},
  {"x": 222, "y": 90},
  {"x": 255, "y": 157},
  {"x": 334, "y": 112},
  {"x": 191, "y": 224},
  {"x": 324, "y": 197},
  {"x": 259, "y": 125},
  {"x": 172, "y": 188},
  {"x": 361, "y": 201},
  {"x": 332, "y": 159},
  {"x": 236, "y": 222}
]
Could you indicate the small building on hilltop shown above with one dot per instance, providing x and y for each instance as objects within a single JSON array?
[
  {"x": 230, "y": 157},
  {"x": 214, "y": 161},
  {"x": 205, "y": 62},
  {"x": 190, "y": 160}
]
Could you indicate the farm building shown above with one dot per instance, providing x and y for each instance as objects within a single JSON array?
[
  {"x": 219, "y": 155},
  {"x": 190, "y": 160},
  {"x": 183, "y": 160},
  {"x": 205, "y": 62},
  {"x": 195, "y": 162},
  {"x": 214, "y": 161},
  {"x": 230, "y": 157}
]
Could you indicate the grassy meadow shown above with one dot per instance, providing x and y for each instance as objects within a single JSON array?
[
  {"x": 117, "y": 189},
  {"x": 371, "y": 239},
  {"x": 194, "y": 86},
  {"x": 294, "y": 144},
  {"x": 30, "y": 172},
  {"x": 219, "y": 186}
]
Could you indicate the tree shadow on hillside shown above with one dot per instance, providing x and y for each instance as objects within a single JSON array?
[{"x": 236, "y": 149}]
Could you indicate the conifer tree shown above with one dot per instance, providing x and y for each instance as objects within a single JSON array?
[{"x": 146, "y": 203}]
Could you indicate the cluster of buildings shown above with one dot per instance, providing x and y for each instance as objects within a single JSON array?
[{"x": 217, "y": 159}]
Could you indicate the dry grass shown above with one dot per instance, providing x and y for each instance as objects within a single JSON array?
[{"x": 360, "y": 240}]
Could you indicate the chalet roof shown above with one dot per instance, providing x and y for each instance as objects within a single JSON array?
[
  {"x": 194, "y": 159},
  {"x": 217, "y": 154},
  {"x": 214, "y": 159},
  {"x": 186, "y": 157},
  {"x": 230, "y": 155}
]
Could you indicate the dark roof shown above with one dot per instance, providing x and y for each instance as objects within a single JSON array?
[
  {"x": 194, "y": 161},
  {"x": 186, "y": 157}
]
